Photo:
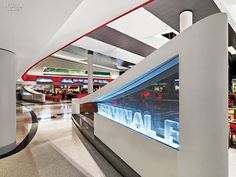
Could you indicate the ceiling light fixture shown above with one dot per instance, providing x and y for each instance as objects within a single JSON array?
[{"x": 232, "y": 50}]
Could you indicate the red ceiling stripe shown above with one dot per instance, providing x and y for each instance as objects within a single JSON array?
[
  {"x": 149, "y": 1},
  {"x": 59, "y": 78}
]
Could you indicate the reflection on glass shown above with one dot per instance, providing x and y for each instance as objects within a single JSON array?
[
  {"x": 152, "y": 107},
  {"x": 26, "y": 109}
]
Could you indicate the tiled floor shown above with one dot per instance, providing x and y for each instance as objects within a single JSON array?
[
  {"x": 55, "y": 151},
  {"x": 23, "y": 123},
  {"x": 232, "y": 162}
]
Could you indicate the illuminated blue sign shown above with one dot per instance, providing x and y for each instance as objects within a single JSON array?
[
  {"x": 148, "y": 104},
  {"x": 44, "y": 80},
  {"x": 141, "y": 121},
  {"x": 100, "y": 81},
  {"x": 67, "y": 81},
  {"x": 79, "y": 80}
]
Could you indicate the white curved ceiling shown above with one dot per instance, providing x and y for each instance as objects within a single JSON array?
[
  {"x": 107, "y": 49},
  {"x": 140, "y": 25},
  {"x": 34, "y": 29},
  {"x": 229, "y": 7},
  {"x": 143, "y": 26}
]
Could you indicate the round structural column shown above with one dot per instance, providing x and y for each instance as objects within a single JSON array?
[
  {"x": 7, "y": 101},
  {"x": 90, "y": 71},
  {"x": 185, "y": 20}
]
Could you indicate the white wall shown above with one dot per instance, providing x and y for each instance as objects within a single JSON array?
[
  {"x": 203, "y": 99},
  {"x": 202, "y": 49},
  {"x": 7, "y": 101},
  {"x": 145, "y": 155}
]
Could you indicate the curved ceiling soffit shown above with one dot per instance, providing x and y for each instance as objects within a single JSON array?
[{"x": 84, "y": 34}]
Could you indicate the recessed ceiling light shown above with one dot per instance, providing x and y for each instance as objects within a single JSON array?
[
  {"x": 232, "y": 50},
  {"x": 121, "y": 67}
]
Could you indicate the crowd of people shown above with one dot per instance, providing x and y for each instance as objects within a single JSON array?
[
  {"x": 232, "y": 100},
  {"x": 64, "y": 94}
]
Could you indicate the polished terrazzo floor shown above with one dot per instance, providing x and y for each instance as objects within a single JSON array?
[
  {"x": 55, "y": 151},
  {"x": 232, "y": 162}
]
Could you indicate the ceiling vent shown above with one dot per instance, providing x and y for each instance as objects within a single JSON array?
[{"x": 169, "y": 35}]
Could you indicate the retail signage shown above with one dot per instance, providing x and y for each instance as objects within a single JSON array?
[
  {"x": 44, "y": 80},
  {"x": 79, "y": 80},
  {"x": 142, "y": 122},
  {"x": 73, "y": 72},
  {"x": 67, "y": 81},
  {"x": 85, "y": 81},
  {"x": 100, "y": 81}
]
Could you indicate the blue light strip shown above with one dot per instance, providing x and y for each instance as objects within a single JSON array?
[{"x": 147, "y": 76}]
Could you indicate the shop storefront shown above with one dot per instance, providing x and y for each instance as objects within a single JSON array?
[{"x": 58, "y": 88}]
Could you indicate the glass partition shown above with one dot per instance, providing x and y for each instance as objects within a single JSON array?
[{"x": 150, "y": 105}]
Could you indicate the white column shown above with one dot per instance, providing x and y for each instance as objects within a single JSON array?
[
  {"x": 203, "y": 72},
  {"x": 185, "y": 20},
  {"x": 90, "y": 71},
  {"x": 7, "y": 101}
]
